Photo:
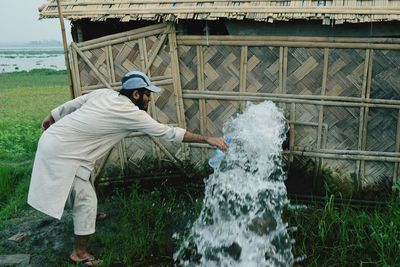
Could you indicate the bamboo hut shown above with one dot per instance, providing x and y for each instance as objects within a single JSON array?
[{"x": 332, "y": 65}]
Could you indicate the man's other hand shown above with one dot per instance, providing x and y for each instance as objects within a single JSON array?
[{"x": 47, "y": 122}]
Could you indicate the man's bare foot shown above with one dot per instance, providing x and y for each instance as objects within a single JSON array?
[{"x": 84, "y": 258}]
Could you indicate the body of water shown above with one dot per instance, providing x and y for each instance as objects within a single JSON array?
[{"x": 28, "y": 58}]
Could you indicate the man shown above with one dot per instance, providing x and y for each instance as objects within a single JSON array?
[{"x": 81, "y": 131}]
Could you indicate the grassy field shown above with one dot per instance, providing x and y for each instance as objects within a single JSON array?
[
  {"x": 139, "y": 232},
  {"x": 25, "y": 99}
]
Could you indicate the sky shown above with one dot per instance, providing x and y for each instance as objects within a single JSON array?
[{"x": 19, "y": 22}]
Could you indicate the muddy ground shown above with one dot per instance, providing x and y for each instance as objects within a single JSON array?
[{"x": 48, "y": 240}]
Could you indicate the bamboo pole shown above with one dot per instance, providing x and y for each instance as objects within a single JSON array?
[
  {"x": 65, "y": 45},
  {"x": 291, "y": 96},
  {"x": 336, "y": 154},
  {"x": 202, "y": 102},
  {"x": 108, "y": 62},
  {"x": 156, "y": 51},
  {"x": 292, "y": 131},
  {"x": 135, "y": 2},
  {"x": 342, "y": 156},
  {"x": 396, "y": 166},
  {"x": 111, "y": 59},
  {"x": 321, "y": 111},
  {"x": 281, "y": 70},
  {"x": 284, "y": 99},
  {"x": 160, "y": 10},
  {"x": 229, "y": 41},
  {"x": 75, "y": 73},
  {"x": 358, "y": 152},
  {"x": 282, "y": 39},
  {"x": 117, "y": 85},
  {"x": 113, "y": 41},
  {"x": 360, "y": 165},
  {"x": 366, "y": 110},
  {"x": 177, "y": 83},
  {"x": 134, "y": 34},
  {"x": 243, "y": 73},
  {"x": 285, "y": 70}
]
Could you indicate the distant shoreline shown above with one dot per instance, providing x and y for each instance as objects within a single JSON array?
[{"x": 38, "y": 44}]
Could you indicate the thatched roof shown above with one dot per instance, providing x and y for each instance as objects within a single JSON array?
[{"x": 329, "y": 11}]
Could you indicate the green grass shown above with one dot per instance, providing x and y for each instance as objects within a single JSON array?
[
  {"x": 25, "y": 99},
  {"x": 139, "y": 233},
  {"x": 38, "y": 78},
  {"x": 330, "y": 235}
]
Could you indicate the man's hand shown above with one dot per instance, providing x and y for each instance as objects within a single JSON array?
[
  {"x": 217, "y": 141},
  {"x": 47, "y": 122},
  {"x": 213, "y": 141}
]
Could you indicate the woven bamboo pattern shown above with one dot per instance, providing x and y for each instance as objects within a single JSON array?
[
  {"x": 341, "y": 97},
  {"x": 378, "y": 172},
  {"x": 103, "y": 65},
  {"x": 329, "y": 11},
  {"x": 98, "y": 59},
  {"x": 222, "y": 66},
  {"x": 126, "y": 57},
  {"x": 345, "y": 73},
  {"x": 344, "y": 123},
  {"x": 188, "y": 66},
  {"x": 381, "y": 133},
  {"x": 304, "y": 71},
  {"x": 324, "y": 90},
  {"x": 263, "y": 70},
  {"x": 162, "y": 63},
  {"x": 165, "y": 105},
  {"x": 386, "y": 75}
]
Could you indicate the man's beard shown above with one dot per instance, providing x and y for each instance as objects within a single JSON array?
[{"x": 140, "y": 103}]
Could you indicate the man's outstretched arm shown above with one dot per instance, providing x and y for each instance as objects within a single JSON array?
[{"x": 213, "y": 141}]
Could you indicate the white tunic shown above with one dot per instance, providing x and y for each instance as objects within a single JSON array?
[{"x": 84, "y": 130}]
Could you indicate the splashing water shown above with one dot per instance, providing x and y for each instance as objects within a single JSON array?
[{"x": 240, "y": 223}]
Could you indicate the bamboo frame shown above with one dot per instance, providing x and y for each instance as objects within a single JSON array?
[
  {"x": 65, "y": 46},
  {"x": 339, "y": 156},
  {"x": 201, "y": 94},
  {"x": 146, "y": 67},
  {"x": 366, "y": 110},
  {"x": 234, "y": 96},
  {"x": 396, "y": 166},
  {"x": 146, "y": 64},
  {"x": 202, "y": 102},
  {"x": 292, "y": 132},
  {"x": 177, "y": 84},
  {"x": 243, "y": 73},
  {"x": 92, "y": 67},
  {"x": 321, "y": 112},
  {"x": 127, "y": 38},
  {"x": 121, "y": 37}
]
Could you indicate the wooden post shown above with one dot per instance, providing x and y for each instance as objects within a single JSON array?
[{"x": 64, "y": 38}]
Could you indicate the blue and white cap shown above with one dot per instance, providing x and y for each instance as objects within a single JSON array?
[{"x": 136, "y": 79}]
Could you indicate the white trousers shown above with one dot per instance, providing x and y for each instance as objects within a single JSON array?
[{"x": 83, "y": 201}]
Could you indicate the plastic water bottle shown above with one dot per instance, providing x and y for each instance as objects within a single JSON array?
[{"x": 217, "y": 156}]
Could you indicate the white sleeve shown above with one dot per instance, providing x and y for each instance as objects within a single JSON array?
[
  {"x": 143, "y": 122},
  {"x": 68, "y": 107}
]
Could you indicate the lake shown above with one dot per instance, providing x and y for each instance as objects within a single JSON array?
[{"x": 28, "y": 58}]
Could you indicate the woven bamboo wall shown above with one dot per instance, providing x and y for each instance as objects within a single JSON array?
[{"x": 341, "y": 96}]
